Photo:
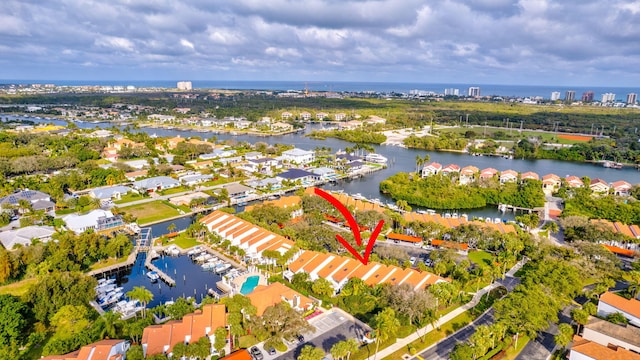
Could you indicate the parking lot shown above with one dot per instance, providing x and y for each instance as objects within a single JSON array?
[{"x": 331, "y": 328}]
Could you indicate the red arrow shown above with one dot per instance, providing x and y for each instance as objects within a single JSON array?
[{"x": 355, "y": 229}]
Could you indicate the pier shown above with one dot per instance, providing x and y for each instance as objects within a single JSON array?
[
  {"x": 505, "y": 207},
  {"x": 164, "y": 277}
]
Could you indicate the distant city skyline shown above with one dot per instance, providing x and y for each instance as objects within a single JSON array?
[{"x": 532, "y": 42}]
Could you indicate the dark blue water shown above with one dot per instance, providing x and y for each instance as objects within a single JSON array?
[
  {"x": 191, "y": 280},
  {"x": 338, "y": 86}
]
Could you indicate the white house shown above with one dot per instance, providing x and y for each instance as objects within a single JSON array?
[
  {"x": 431, "y": 169},
  {"x": 98, "y": 220},
  {"x": 111, "y": 192},
  {"x": 325, "y": 173},
  {"x": 508, "y": 176},
  {"x": 299, "y": 156},
  {"x": 24, "y": 236},
  {"x": 611, "y": 303},
  {"x": 156, "y": 184}
]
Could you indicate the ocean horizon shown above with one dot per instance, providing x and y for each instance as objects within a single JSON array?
[{"x": 543, "y": 91}]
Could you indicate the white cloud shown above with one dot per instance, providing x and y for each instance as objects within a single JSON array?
[
  {"x": 186, "y": 43},
  {"x": 115, "y": 42}
]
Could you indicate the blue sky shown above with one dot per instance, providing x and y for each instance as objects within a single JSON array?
[{"x": 531, "y": 42}]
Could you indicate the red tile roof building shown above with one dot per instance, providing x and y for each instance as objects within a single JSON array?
[
  {"x": 160, "y": 339},
  {"x": 101, "y": 350}
]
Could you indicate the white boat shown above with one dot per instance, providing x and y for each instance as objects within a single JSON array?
[
  {"x": 375, "y": 158},
  {"x": 172, "y": 250},
  {"x": 195, "y": 250},
  {"x": 421, "y": 211},
  {"x": 358, "y": 196},
  {"x": 464, "y": 216},
  {"x": 447, "y": 215},
  {"x": 154, "y": 276},
  {"x": 220, "y": 268},
  {"x": 497, "y": 221}
]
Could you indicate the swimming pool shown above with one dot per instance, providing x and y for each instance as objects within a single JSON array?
[{"x": 249, "y": 284}]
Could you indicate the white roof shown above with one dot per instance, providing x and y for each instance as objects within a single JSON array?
[
  {"x": 297, "y": 152},
  {"x": 154, "y": 182},
  {"x": 24, "y": 235},
  {"x": 78, "y": 223}
]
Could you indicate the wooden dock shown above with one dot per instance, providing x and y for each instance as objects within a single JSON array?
[{"x": 164, "y": 277}]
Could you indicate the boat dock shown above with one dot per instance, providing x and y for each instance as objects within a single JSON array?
[{"x": 164, "y": 277}]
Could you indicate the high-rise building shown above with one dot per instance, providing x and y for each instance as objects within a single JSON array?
[
  {"x": 184, "y": 85},
  {"x": 608, "y": 97},
  {"x": 587, "y": 96},
  {"x": 452, "y": 92},
  {"x": 474, "y": 91},
  {"x": 632, "y": 98},
  {"x": 569, "y": 95},
  {"x": 555, "y": 95}
]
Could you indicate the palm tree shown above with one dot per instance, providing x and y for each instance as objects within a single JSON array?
[
  {"x": 141, "y": 294},
  {"x": 351, "y": 346},
  {"x": 171, "y": 227},
  {"x": 419, "y": 162},
  {"x": 634, "y": 282},
  {"x": 386, "y": 325},
  {"x": 110, "y": 321}
]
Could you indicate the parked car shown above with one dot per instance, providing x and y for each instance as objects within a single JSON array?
[
  {"x": 256, "y": 354},
  {"x": 300, "y": 338},
  {"x": 271, "y": 351}
]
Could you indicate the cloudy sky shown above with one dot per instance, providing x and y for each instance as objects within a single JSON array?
[{"x": 530, "y": 42}]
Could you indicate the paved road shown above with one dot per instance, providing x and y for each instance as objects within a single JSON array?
[
  {"x": 442, "y": 349},
  {"x": 544, "y": 344},
  {"x": 330, "y": 329}
]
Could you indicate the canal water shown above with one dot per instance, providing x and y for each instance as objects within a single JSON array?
[
  {"x": 400, "y": 160},
  {"x": 191, "y": 280}
]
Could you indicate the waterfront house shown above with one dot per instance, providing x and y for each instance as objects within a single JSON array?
[
  {"x": 173, "y": 142},
  {"x": 305, "y": 115},
  {"x": 321, "y": 116},
  {"x": 508, "y": 176},
  {"x": 450, "y": 169},
  {"x": 37, "y": 200},
  {"x": 281, "y": 126},
  {"x": 621, "y": 188},
  {"x": 109, "y": 349},
  {"x": 529, "y": 175},
  {"x": 574, "y": 181},
  {"x": 238, "y": 190},
  {"x": 488, "y": 173},
  {"x": 550, "y": 183},
  {"x": 263, "y": 165},
  {"x": 599, "y": 186},
  {"x": 325, "y": 173},
  {"x": 299, "y": 156},
  {"x": 468, "y": 174},
  {"x": 611, "y": 303},
  {"x": 242, "y": 124},
  {"x": 373, "y": 119},
  {"x": 110, "y": 192},
  {"x": 431, "y": 169},
  {"x": 25, "y": 236},
  {"x": 286, "y": 115},
  {"x": 264, "y": 296},
  {"x": 161, "y": 339},
  {"x": 301, "y": 175},
  {"x": 157, "y": 183},
  {"x": 203, "y": 198},
  {"x": 340, "y": 116},
  {"x": 266, "y": 184},
  {"x": 98, "y": 220}
]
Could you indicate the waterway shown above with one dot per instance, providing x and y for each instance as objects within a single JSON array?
[
  {"x": 191, "y": 280},
  {"x": 400, "y": 160}
]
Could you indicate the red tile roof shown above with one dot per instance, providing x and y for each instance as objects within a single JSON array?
[
  {"x": 631, "y": 306},
  {"x": 600, "y": 352}
]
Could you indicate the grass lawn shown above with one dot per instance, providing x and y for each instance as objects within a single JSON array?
[
  {"x": 434, "y": 336},
  {"x": 174, "y": 190},
  {"x": 247, "y": 341},
  {"x": 18, "y": 288},
  {"x": 130, "y": 196},
  {"x": 480, "y": 257},
  {"x": 108, "y": 262},
  {"x": 151, "y": 211},
  {"x": 185, "y": 241},
  {"x": 512, "y": 352}
]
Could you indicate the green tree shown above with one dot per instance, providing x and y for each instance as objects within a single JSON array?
[
  {"x": 385, "y": 325},
  {"x": 322, "y": 287},
  {"x": 14, "y": 315},
  {"x": 310, "y": 352},
  {"x": 141, "y": 294},
  {"x": 110, "y": 323},
  {"x": 180, "y": 308},
  {"x": 220, "y": 339},
  {"x": 580, "y": 316},
  {"x": 280, "y": 322},
  {"x": 564, "y": 336},
  {"x": 135, "y": 353}
]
